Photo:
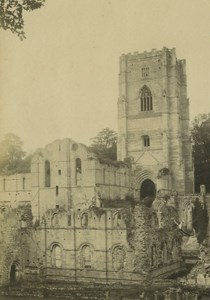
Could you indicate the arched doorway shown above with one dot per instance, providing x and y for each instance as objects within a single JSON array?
[
  {"x": 147, "y": 191},
  {"x": 13, "y": 273}
]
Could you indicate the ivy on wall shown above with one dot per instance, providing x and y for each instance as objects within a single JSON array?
[{"x": 200, "y": 220}]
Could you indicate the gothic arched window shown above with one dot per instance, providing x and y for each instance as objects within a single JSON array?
[
  {"x": 47, "y": 173},
  {"x": 146, "y": 99}
]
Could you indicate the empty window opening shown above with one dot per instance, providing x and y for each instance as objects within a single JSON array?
[
  {"x": 56, "y": 256},
  {"x": 59, "y": 172},
  {"x": 78, "y": 165},
  {"x": 47, "y": 174},
  {"x": 13, "y": 273},
  {"x": 147, "y": 192},
  {"x": 86, "y": 257},
  {"x": 118, "y": 258},
  {"x": 119, "y": 220},
  {"x": 146, "y": 99},
  {"x": 57, "y": 190},
  {"x": 24, "y": 181},
  {"x": 84, "y": 220},
  {"x": 69, "y": 220},
  {"x": 146, "y": 141}
]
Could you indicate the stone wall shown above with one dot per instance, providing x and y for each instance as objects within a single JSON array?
[
  {"x": 15, "y": 189},
  {"x": 14, "y": 244},
  {"x": 76, "y": 179},
  {"x": 104, "y": 245},
  {"x": 166, "y": 122}
]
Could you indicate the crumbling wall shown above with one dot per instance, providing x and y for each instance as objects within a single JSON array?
[
  {"x": 13, "y": 243},
  {"x": 156, "y": 239}
]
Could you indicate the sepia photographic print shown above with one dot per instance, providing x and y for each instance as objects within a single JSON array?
[{"x": 105, "y": 149}]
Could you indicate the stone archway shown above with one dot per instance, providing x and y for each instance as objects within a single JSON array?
[
  {"x": 147, "y": 190},
  {"x": 13, "y": 273}
]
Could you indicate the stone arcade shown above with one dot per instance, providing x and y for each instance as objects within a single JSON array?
[{"x": 74, "y": 218}]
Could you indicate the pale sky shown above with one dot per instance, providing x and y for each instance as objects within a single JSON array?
[{"x": 62, "y": 81}]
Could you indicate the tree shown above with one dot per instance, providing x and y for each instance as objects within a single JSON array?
[
  {"x": 12, "y": 156},
  {"x": 200, "y": 220},
  {"x": 201, "y": 150},
  {"x": 11, "y": 14},
  {"x": 105, "y": 144}
]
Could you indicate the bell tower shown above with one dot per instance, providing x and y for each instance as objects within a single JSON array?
[{"x": 153, "y": 119}]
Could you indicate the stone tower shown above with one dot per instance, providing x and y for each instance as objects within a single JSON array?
[{"x": 153, "y": 121}]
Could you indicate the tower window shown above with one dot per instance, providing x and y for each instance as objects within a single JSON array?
[
  {"x": 145, "y": 72},
  {"x": 56, "y": 190},
  {"x": 146, "y": 141},
  {"x": 146, "y": 99},
  {"x": 78, "y": 165},
  {"x": 59, "y": 172},
  {"x": 47, "y": 173}
]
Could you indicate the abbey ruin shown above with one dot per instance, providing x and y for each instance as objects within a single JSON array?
[{"x": 76, "y": 219}]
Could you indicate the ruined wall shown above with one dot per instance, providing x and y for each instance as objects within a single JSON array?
[
  {"x": 15, "y": 189},
  {"x": 14, "y": 244},
  {"x": 156, "y": 239},
  {"x": 65, "y": 174},
  {"x": 80, "y": 245},
  {"x": 107, "y": 245},
  {"x": 194, "y": 212}
]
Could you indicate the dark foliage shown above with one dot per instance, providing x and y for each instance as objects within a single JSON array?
[
  {"x": 163, "y": 172},
  {"x": 12, "y": 158},
  {"x": 201, "y": 151},
  {"x": 118, "y": 203},
  {"x": 11, "y": 14},
  {"x": 200, "y": 220},
  {"x": 105, "y": 145}
]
